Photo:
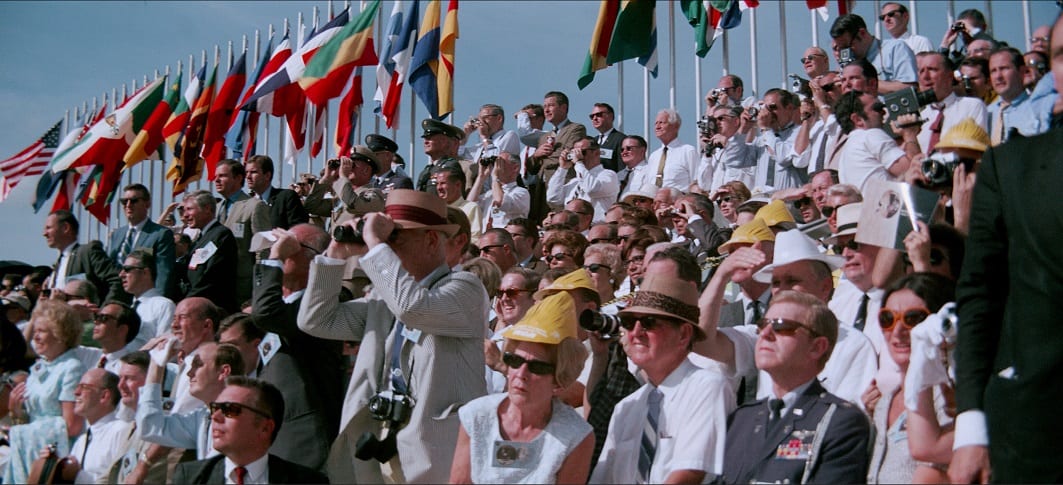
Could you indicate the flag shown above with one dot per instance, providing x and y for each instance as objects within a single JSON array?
[
  {"x": 243, "y": 128},
  {"x": 446, "y": 59},
  {"x": 599, "y": 49},
  {"x": 93, "y": 197},
  {"x": 317, "y": 138},
  {"x": 278, "y": 101},
  {"x": 150, "y": 138},
  {"x": 187, "y": 164},
  {"x": 845, "y": 6},
  {"x": 175, "y": 126},
  {"x": 221, "y": 114},
  {"x": 109, "y": 139},
  {"x": 732, "y": 16},
  {"x": 30, "y": 161},
  {"x": 391, "y": 79},
  {"x": 649, "y": 61},
  {"x": 347, "y": 118},
  {"x": 49, "y": 180},
  {"x": 632, "y": 34},
  {"x": 295, "y": 135},
  {"x": 704, "y": 31},
  {"x": 294, "y": 67},
  {"x": 67, "y": 180},
  {"x": 424, "y": 64},
  {"x": 330, "y": 68},
  {"x": 819, "y": 6},
  {"x": 68, "y": 183}
]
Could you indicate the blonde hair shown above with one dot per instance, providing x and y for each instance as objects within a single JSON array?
[
  {"x": 66, "y": 325},
  {"x": 488, "y": 273},
  {"x": 568, "y": 358}
]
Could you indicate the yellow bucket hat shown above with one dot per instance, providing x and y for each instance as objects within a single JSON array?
[
  {"x": 549, "y": 321},
  {"x": 776, "y": 214},
  {"x": 574, "y": 280},
  {"x": 965, "y": 134},
  {"x": 748, "y": 233}
]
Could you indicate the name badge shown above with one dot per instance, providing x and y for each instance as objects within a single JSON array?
[
  {"x": 411, "y": 334},
  {"x": 513, "y": 454},
  {"x": 238, "y": 230},
  {"x": 202, "y": 254},
  {"x": 607, "y": 153}
]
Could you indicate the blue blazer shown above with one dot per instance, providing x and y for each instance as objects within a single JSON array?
[{"x": 159, "y": 240}]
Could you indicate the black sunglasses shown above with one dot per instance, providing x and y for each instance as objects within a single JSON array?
[
  {"x": 783, "y": 326},
  {"x": 891, "y": 14},
  {"x": 234, "y": 409},
  {"x": 537, "y": 367},
  {"x": 724, "y": 199},
  {"x": 103, "y": 318},
  {"x": 594, "y": 267},
  {"x": 600, "y": 240},
  {"x": 130, "y": 268},
  {"x": 559, "y": 256},
  {"x": 851, "y": 245},
  {"x": 511, "y": 292},
  {"x": 648, "y": 322},
  {"x": 478, "y": 251},
  {"x": 597, "y": 115},
  {"x": 827, "y": 210},
  {"x": 811, "y": 57},
  {"x": 131, "y": 200},
  {"x": 802, "y": 202}
]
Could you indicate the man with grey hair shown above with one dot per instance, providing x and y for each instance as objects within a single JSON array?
[
  {"x": 488, "y": 123},
  {"x": 779, "y": 165},
  {"x": 503, "y": 199},
  {"x": 212, "y": 264},
  {"x": 675, "y": 164}
]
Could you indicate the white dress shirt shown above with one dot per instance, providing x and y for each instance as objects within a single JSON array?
[
  {"x": 516, "y": 202},
  {"x": 956, "y": 110},
  {"x": 156, "y": 314},
  {"x": 680, "y": 168},
  {"x": 598, "y": 186},
  {"x": 110, "y": 436},
  {"x": 257, "y": 471},
  {"x": 867, "y": 156},
  {"x": 637, "y": 177}
]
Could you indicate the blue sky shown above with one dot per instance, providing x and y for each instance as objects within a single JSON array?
[{"x": 57, "y": 55}]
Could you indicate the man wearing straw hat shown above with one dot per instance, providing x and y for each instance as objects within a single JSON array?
[
  {"x": 679, "y": 416},
  {"x": 421, "y": 334}
]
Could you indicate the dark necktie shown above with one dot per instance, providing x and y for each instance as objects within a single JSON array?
[
  {"x": 127, "y": 244},
  {"x": 136, "y": 303},
  {"x": 822, "y": 155},
  {"x": 861, "y": 313},
  {"x": 775, "y": 406},
  {"x": 935, "y": 127},
  {"x": 241, "y": 473},
  {"x": 660, "y": 166},
  {"x": 648, "y": 448},
  {"x": 625, "y": 177},
  {"x": 55, "y": 271},
  {"x": 88, "y": 441},
  {"x": 754, "y": 310},
  {"x": 103, "y": 362}
]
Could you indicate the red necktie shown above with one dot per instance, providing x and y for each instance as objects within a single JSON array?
[
  {"x": 241, "y": 472},
  {"x": 935, "y": 129}
]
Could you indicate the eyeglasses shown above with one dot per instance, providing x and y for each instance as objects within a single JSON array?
[
  {"x": 594, "y": 267},
  {"x": 627, "y": 322},
  {"x": 83, "y": 387},
  {"x": 878, "y": 107},
  {"x": 722, "y": 118},
  {"x": 783, "y": 326},
  {"x": 628, "y": 149},
  {"x": 599, "y": 114},
  {"x": 635, "y": 260},
  {"x": 512, "y": 292},
  {"x": 851, "y": 245},
  {"x": 478, "y": 251},
  {"x": 828, "y": 210},
  {"x": 131, "y": 200},
  {"x": 724, "y": 199},
  {"x": 1039, "y": 39},
  {"x": 537, "y": 367},
  {"x": 811, "y": 57},
  {"x": 131, "y": 268},
  {"x": 550, "y": 258},
  {"x": 104, "y": 318},
  {"x": 234, "y": 409},
  {"x": 887, "y": 319},
  {"x": 772, "y": 107},
  {"x": 603, "y": 240},
  {"x": 890, "y": 14},
  {"x": 802, "y": 202}
]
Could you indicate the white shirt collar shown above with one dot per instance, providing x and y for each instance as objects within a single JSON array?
[{"x": 257, "y": 471}]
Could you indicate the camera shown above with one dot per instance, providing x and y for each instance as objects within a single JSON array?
[
  {"x": 706, "y": 125},
  {"x": 604, "y": 324},
  {"x": 754, "y": 110},
  {"x": 845, "y": 57},
  {"x": 965, "y": 80},
  {"x": 390, "y": 406},
  {"x": 489, "y": 155},
  {"x": 799, "y": 85},
  {"x": 958, "y": 27},
  {"x": 348, "y": 234},
  {"x": 333, "y": 164},
  {"x": 716, "y": 93},
  {"x": 371, "y": 448},
  {"x": 938, "y": 168},
  {"x": 905, "y": 101}
]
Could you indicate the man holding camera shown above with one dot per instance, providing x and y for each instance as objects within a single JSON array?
[
  {"x": 891, "y": 57},
  {"x": 421, "y": 334},
  {"x": 592, "y": 182},
  {"x": 778, "y": 163},
  {"x": 728, "y": 92},
  {"x": 935, "y": 73},
  {"x": 357, "y": 197},
  {"x": 493, "y": 139},
  {"x": 389, "y": 176},
  {"x": 725, "y": 155},
  {"x": 504, "y": 200},
  {"x": 868, "y": 152}
]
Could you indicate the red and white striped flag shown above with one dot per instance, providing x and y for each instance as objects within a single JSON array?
[{"x": 29, "y": 162}]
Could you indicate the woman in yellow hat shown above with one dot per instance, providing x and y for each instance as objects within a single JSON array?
[{"x": 527, "y": 435}]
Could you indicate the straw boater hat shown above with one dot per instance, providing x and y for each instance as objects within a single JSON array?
[
  {"x": 751, "y": 232},
  {"x": 793, "y": 246},
  {"x": 574, "y": 280},
  {"x": 645, "y": 190},
  {"x": 848, "y": 216},
  {"x": 775, "y": 214},
  {"x": 549, "y": 321},
  {"x": 667, "y": 297},
  {"x": 412, "y": 209}
]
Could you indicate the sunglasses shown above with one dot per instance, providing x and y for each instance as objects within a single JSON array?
[
  {"x": 104, "y": 318},
  {"x": 628, "y": 149},
  {"x": 478, "y": 251},
  {"x": 587, "y": 150},
  {"x": 724, "y": 199},
  {"x": 627, "y": 322},
  {"x": 537, "y": 367},
  {"x": 234, "y": 409},
  {"x": 550, "y": 258},
  {"x": 599, "y": 114},
  {"x": 594, "y": 267},
  {"x": 772, "y": 107},
  {"x": 130, "y": 269},
  {"x": 605, "y": 240},
  {"x": 802, "y": 202},
  {"x": 851, "y": 245},
  {"x": 811, "y": 57},
  {"x": 892, "y": 14},
  {"x": 828, "y": 210},
  {"x": 131, "y": 200},
  {"x": 879, "y": 106},
  {"x": 511, "y": 292},
  {"x": 1038, "y": 39},
  {"x": 635, "y": 260},
  {"x": 887, "y": 319},
  {"x": 783, "y": 326}
]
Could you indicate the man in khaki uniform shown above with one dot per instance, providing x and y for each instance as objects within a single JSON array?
[{"x": 357, "y": 195}]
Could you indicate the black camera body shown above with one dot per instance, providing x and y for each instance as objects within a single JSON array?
[
  {"x": 604, "y": 324},
  {"x": 489, "y": 155},
  {"x": 799, "y": 85},
  {"x": 348, "y": 234},
  {"x": 938, "y": 168},
  {"x": 391, "y": 407},
  {"x": 845, "y": 57},
  {"x": 905, "y": 101},
  {"x": 334, "y": 164},
  {"x": 715, "y": 93},
  {"x": 369, "y": 447},
  {"x": 958, "y": 27}
]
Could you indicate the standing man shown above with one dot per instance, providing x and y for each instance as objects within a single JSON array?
[
  {"x": 389, "y": 176},
  {"x": 142, "y": 232},
  {"x": 88, "y": 261},
  {"x": 635, "y": 172},
  {"x": 552, "y": 145},
  {"x": 488, "y": 124},
  {"x": 357, "y": 196},
  {"x": 730, "y": 92},
  {"x": 1007, "y": 359},
  {"x": 895, "y": 18},
  {"x": 730, "y": 156},
  {"x": 1007, "y": 67},
  {"x": 592, "y": 183},
  {"x": 778, "y": 164},
  {"x": 675, "y": 164},
  {"x": 505, "y": 199},
  {"x": 441, "y": 142},
  {"x": 609, "y": 138},
  {"x": 935, "y": 73},
  {"x": 285, "y": 208},
  {"x": 244, "y": 216},
  {"x": 212, "y": 264},
  {"x": 421, "y": 334},
  {"x": 892, "y": 58}
]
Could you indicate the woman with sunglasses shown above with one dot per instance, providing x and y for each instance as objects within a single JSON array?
[
  {"x": 908, "y": 302},
  {"x": 564, "y": 249},
  {"x": 527, "y": 435},
  {"x": 728, "y": 197},
  {"x": 45, "y": 401}
]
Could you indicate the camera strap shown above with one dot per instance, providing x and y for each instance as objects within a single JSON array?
[{"x": 397, "y": 381}]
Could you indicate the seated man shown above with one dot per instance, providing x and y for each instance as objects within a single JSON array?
[
  {"x": 245, "y": 423},
  {"x": 96, "y": 399},
  {"x": 802, "y": 434}
]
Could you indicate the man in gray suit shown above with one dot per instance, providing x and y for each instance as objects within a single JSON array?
[
  {"x": 142, "y": 232},
  {"x": 87, "y": 262},
  {"x": 421, "y": 332},
  {"x": 244, "y": 216}
]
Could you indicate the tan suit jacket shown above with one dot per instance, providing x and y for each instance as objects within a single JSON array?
[
  {"x": 246, "y": 217},
  {"x": 567, "y": 136}
]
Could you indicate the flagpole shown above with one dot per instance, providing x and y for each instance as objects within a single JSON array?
[
  {"x": 815, "y": 27},
  {"x": 646, "y": 103},
  {"x": 753, "y": 49},
  {"x": 620, "y": 96},
  {"x": 379, "y": 35},
  {"x": 265, "y": 118},
  {"x": 782, "y": 45},
  {"x": 1026, "y": 22},
  {"x": 411, "y": 161},
  {"x": 878, "y": 25},
  {"x": 726, "y": 53},
  {"x": 912, "y": 15},
  {"x": 697, "y": 85},
  {"x": 989, "y": 15},
  {"x": 671, "y": 54}
]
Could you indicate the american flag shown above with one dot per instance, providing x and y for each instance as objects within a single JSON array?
[{"x": 29, "y": 162}]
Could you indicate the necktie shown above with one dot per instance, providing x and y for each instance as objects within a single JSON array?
[
  {"x": 625, "y": 177},
  {"x": 861, "y": 313},
  {"x": 103, "y": 362},
  {"x": 225, "y": 210},
  {"x": 127, "y": 244},
  {"x": 88, "y": 441},
  {"x": 55, "y": 271},
  {"x": 776, "y": 405},
  {"x": 754, "y": 311},
  {"x": 398, "y": 381},
  {"x": 660, "y": 166},
  {"x": 998, "y": 124},
  {"x": 822, "y": 155},
  {"x": 241, "y": 473},
  {"x": 648, "y": 448},
  {"x": 935, "y": 127},
  {"x": 136, "y": 303}
]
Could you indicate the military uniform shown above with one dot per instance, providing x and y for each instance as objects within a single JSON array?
[
  {"x": 355, "y": 202},
  {"x": 425, "y": 182},
  {"x": 821, "y": 439}
]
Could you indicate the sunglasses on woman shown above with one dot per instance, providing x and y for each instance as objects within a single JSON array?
[
  {"x": 784, "y": 326},
  {"x": 559, "y": 257},
  {"x": 594, "y": 267},
  {"x": 538, "y": 367},
  {"x": 887, "y": 319}
]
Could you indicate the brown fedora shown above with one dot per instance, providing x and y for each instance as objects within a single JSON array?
[
  {"x": 412, "y": 209},
  {"x": 668, "y": 297}
]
